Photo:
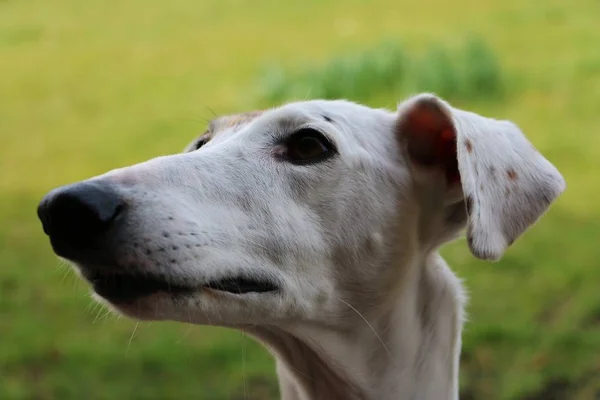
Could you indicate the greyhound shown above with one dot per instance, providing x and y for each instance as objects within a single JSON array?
[{"x": 314, "y": 227}]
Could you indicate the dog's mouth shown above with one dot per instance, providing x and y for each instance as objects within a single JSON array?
[
  {"x": 121, "y": 288},
  {"x": 241, "y": 285}
]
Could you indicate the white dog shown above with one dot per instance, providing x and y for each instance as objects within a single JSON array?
[{"x": 314, "y": 227}]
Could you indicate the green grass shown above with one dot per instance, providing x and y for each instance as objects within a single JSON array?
[
  {"x": 470, "y": 73},
  {"x": 89, "y": 86}
]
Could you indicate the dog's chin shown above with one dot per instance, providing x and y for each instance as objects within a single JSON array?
[{"x": 158, "y": 306}]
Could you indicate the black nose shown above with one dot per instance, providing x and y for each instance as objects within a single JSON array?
[{"x": 75, "y": 216}]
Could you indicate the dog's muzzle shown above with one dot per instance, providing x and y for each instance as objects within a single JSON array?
[{"x": 82, "y": 221}]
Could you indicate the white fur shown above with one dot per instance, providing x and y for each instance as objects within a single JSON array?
[{"x": 367, "y": 308}]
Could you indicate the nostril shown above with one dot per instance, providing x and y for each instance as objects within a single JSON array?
[
  {"x": 94, "y": 204},
  {"x": 76, "y": 215}
]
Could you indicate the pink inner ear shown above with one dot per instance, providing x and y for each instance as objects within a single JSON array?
[{"x": 431, "y": 139}]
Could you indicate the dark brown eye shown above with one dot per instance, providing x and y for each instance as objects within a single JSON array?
[
  {"x": 308, "y": 146},
  {"x": 199, "y": 143}
]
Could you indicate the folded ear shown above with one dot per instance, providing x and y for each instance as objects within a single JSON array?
[{"x": 506, "y": 183}]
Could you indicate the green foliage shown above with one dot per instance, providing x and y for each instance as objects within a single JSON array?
[{"x": 472, "y": 72}]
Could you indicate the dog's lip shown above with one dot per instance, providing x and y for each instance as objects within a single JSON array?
[
  {"x": 241, "y": 285},
  {"x": 124, "y": 288}
]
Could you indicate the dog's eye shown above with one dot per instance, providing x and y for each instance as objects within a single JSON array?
[
  {"x": 200, "y": 142},
  {"x": 308, "y": 146}
]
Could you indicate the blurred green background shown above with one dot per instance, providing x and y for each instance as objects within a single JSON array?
[{"x": 87, "y": 86}]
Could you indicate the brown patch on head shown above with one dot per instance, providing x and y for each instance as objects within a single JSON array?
[
  {"x": 469, "y": 146},
  {"x": 235, "y": 121},
  {"x": 512, "y": 174},
  {"x": 223, "y": 124}
]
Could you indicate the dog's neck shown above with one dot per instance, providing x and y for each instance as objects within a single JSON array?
[{"x": 409, "y": 352}]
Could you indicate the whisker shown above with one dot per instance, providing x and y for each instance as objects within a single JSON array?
[
  {"x": 369, "y": 325},
  {"x": 106, "y": 316},
  {"x": 304, "y": 374},
  {"x": 187, "y": 331},
  {"x": 97, "y": 318},
  {"x": 309, "y": 91},
  {"x": 91, "y": 307},
  {"x": 207, "y": 317},
  {"x": 131, "y": 338},
  {"x": 198, "y": 120},
  {"x": 211, "y": 111},
  {"x": 244, "y": 364}
]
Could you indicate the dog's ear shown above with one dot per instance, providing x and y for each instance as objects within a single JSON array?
[{"x": 505, "y": 183}]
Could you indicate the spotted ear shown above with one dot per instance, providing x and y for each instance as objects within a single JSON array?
[{"x": 506, "y": 184}]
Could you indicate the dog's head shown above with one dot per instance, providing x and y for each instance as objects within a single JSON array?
[{"x": 283, "y": 215}]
